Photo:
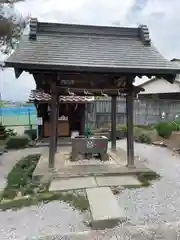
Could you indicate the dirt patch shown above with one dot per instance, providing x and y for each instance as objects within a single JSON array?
[{"x": 173, "y": 142}]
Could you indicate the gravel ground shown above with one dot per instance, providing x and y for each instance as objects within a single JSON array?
[
  {"x": 160, "y": 202},
  {"x": 36, "y": 220},
  {"x": 52, "y": 218}
]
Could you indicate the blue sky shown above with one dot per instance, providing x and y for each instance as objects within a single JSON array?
[{"x": 161, "y": 16}]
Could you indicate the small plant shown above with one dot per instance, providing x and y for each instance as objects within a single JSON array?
[
  {"x": 143, "y": 138},
  {"x": 10, "y": 132},
  {"x": 164, "y": 129},
  {"x": 17, "y": 142},
  {"x": 122, "y": 128},
  {"x": 2, "y": 132},
  {"x": 20, "y": 178},
  {"x": 176, "y": 125}
]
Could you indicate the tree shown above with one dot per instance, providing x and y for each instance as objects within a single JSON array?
[{"x": 12, "y": 25}]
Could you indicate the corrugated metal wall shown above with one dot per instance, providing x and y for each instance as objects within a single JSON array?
[{"x": 146, "y": 112}]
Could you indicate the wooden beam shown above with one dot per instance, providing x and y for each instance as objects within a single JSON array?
[
  {"x": 52, "y": 147},
  {"x": 57, "y": 116},
  {"x": 96, "y": 92},
  {"x": 113, "y": 123},
  {"x": 130, "y": 132}
]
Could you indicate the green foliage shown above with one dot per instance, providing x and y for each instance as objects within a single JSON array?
[
  {"x": 164, "y": 129},
  {"x": 143, "y": 137},
  {"x": 12, "y": 26},
  {"x": 176, "y": 125},
  {"x": 10, "y": 132},
  {"x": 20, "y": 178},
  {"x": 2, "y": 132},
  {"x": 32, "y": 133},
  {"x": 17, "y": 142},
  {"x": 122, "y": 128}
]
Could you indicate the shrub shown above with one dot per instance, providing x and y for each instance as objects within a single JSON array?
[
  {"x": 176, "y": 125},
  {"x": 122, "y": 128},
  {"x": 143, "y": 138},
  {"x": 16, "y": 142},
  {"x": 10, "y": 132},
  {"x": 2, "y": 132},
  {"x": 164, "y": 129},
  {"x": 32, "y": 133}
]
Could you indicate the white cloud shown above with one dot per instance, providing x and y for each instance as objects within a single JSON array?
[{"x": 161, "y": 16}]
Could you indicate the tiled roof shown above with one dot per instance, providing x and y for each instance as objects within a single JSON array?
[
  {"x": 81, "y": 47},
  {"x": 42, "y": 96}
]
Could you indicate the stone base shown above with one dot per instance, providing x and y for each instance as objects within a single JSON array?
[{"x": 64, "y": 168}]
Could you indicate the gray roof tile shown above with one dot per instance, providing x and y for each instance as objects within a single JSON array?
[{"x": 61, "y": 45}]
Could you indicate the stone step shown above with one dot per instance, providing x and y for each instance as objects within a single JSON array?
[
  {"x": 72, "y": 184},
  {"x": 104, "y": 208},
  {"x": 99, "y": 170},
  {"x": 92, "y": 182}
]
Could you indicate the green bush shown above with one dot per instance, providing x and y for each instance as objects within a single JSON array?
[
  {"x": 2, "y": 132},
  {"x": 17, "y": 142},
  {"x": 6, "y": 132},
  {"x": 10, "y": 132},
  {"x": 143, "y": 138},
  {"x": 176, "y": 125},
  {"x": 32, "y": 133},
  {"x": 164, "y": 129},
  {"x": 122, "y": 128}
]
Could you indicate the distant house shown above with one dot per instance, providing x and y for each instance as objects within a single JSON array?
[{"x": 160, "y": 88}]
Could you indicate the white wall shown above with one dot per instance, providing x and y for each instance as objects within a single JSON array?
[{"x": 161, "y": 86}]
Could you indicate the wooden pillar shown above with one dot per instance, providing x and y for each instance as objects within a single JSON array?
[
  {"x": 83, "y": 119},
  {"x": 113, "y": 123},
  {"x": 53, "y": 116},
  {"x": 130, "y": 132},
  {"x": 57, "y": 116}
]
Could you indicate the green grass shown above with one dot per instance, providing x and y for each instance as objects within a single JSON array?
[
  {"x": 20, "y": 181},
  {"x": 145, "y": 179},
  {"x": 78, "y": 202},
  {"x": 20, "y": 178}
]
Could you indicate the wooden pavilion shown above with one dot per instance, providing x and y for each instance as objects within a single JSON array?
[{"x": 82, "y": 60}]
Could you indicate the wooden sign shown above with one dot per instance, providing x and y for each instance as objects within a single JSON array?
[{"x": 67, "y": 82}]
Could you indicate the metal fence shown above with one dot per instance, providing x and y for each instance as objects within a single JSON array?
[
  {"x": 19, "y": 120},
  {"x": 145, "y": 112},
  {"x": 98, "y": 114}
]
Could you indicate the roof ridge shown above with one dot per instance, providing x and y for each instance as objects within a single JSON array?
[
  {"x": 33, "y": 28},
  {"x": 45, "y": 27},
  {"x": 144, "y": 35}
]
